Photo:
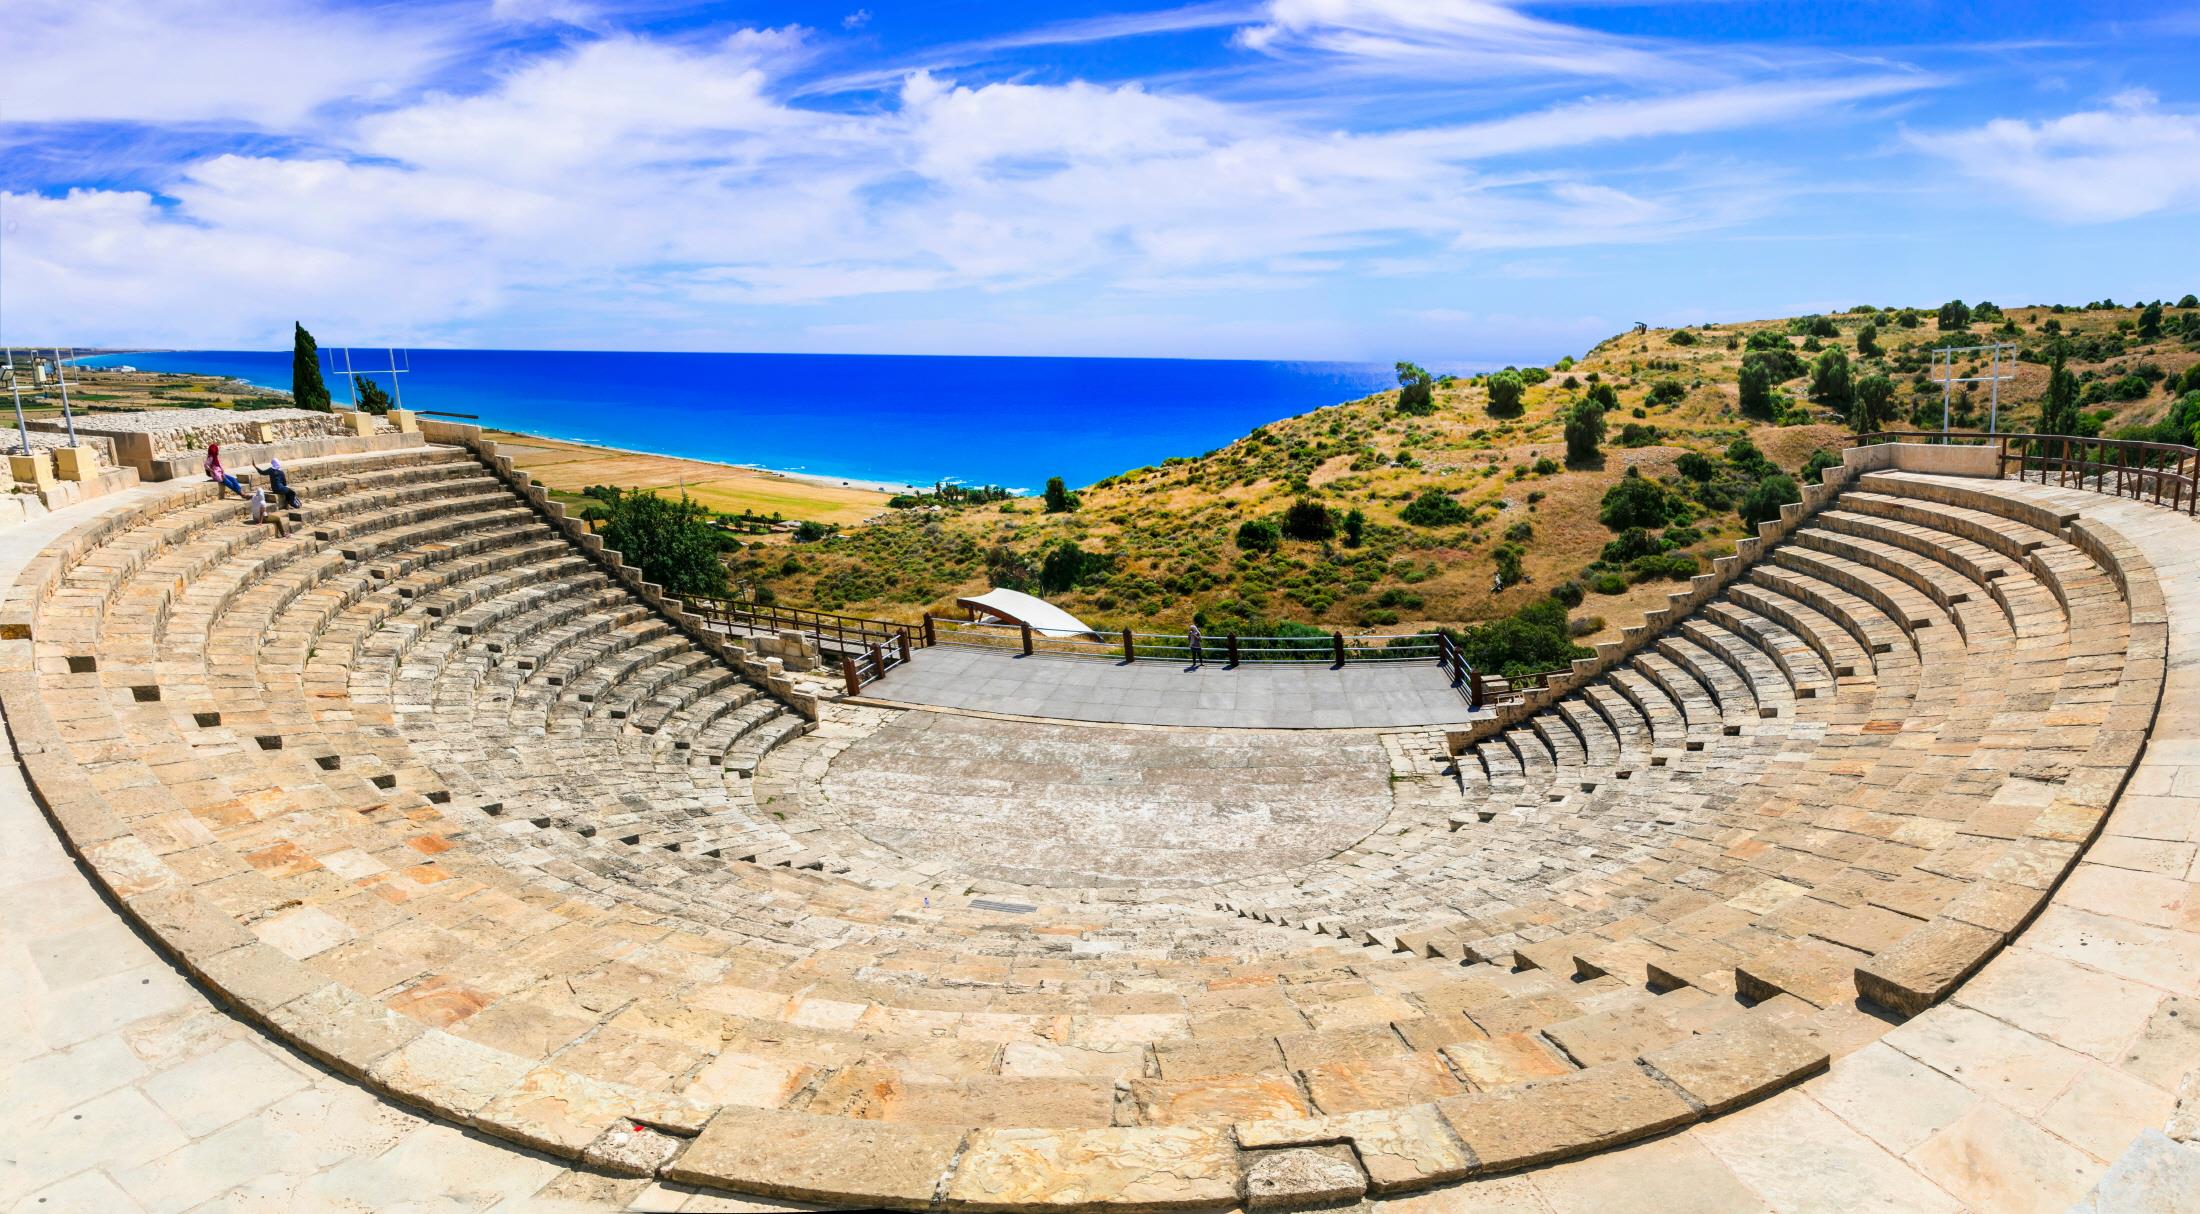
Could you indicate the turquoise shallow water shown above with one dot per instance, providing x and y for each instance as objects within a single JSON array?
[{"x": 1010, "y": 421}]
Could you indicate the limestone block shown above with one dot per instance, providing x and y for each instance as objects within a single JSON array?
[
  {"x": 406, "y": 420},
  {"x": 1297, "y": 1177},
  {"x": 33, "y": 469},
  {"x": 261, "y": 432},
  {"x": 1736, "y": 1063},
  {"x": 361, "y": 423},
  {"x": 1928, "y": 963},
  {"x": 1133, "y": 1169},
  {"x": 447, "y": 1075},
  {"x": 555, "y": 1110},
  {"x": 630, "y": 1149},
  {"x": 876, "y": 1164},
  {"x": 1400, "y": 1148},
  {"x": 1533, "y": 1123},
  {"x": 342, "y": 1028},
  {"x": 75, "y": 463}
]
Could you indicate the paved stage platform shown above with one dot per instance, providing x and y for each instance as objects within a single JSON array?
[{"x": 1275, "y": 695}]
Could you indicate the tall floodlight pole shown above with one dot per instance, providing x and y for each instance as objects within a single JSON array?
[
  {"x": 397, "y": 392},
  {"x": 68, "y": 419},
  {"x": 22, "y": 427},
  {"x": 1944, "y": 362},
  {"x": 352, "y": 379},
  {"x": 1993, "y": 412},
  {"x": 1947, "y": 386}
]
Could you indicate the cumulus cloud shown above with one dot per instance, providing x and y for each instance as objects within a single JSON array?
[
  {"x": 271, "y": 63},
  {"x": 2131, "y": 158},
  {"x": 615, "y": 187}
]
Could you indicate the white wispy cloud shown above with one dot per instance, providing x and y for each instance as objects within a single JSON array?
[
  {"x": 2129, "y": 158},
  {"x": 266, "y": 62},
  {"x": 594, "y": 186}
]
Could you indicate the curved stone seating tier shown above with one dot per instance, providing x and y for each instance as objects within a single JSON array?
[{"x": 422, "y": 787}]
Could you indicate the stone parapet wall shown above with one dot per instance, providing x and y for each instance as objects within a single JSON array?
[{"x": 163, "y": 444}]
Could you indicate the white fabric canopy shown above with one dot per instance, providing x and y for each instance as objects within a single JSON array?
[{"x": 1016, "y": 607}]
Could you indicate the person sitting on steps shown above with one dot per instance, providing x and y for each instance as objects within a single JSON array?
[
  {"x": 278, "y": 482},
  {"x": 220, "y": 475}
]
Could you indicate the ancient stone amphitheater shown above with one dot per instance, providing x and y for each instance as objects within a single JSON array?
[{"x": 432, "y": 791}]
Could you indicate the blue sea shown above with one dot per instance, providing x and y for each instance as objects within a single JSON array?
[{"x": 884, "y": 418}]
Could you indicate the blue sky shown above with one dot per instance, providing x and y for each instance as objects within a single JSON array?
[{"x": 1445, "y": 180}]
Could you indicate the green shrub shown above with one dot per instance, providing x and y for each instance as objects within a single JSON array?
[
  {"x": 1258, "y": 535},
  {"x": 1308, "y": 520},
  {"x": 1830, "y": 382},
  {"x": 1636, "y": 501},
  {"x": 1506, "y": 390},
  {"x": 1695, "y": 466},
  {"x": 1628, "y": 545},
  {"x": 1507, "y": 558},
  {"x": 669, "y": 539},
  {"x": 1609, "y": 583},
  {"x": 1682, "y": 337},
  {"x": 1584, "y": 431},
  {"x": 1532, "y": 640},
  {"x": 1434, "y": 508},
  {"x": 1763, "y": 502}
]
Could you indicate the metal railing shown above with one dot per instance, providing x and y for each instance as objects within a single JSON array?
[
  {"x": 1223, "y": 649},
  {"x": 841, "y": 633},
  {"x": 2166, "y": 474},
  {"x": 870, "y": 664},
  {"x": 866, "y": 648}
]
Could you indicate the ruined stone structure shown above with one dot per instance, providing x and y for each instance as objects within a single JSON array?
[{"x": 440, "y": 795}]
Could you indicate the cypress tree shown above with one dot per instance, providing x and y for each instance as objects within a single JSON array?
[{"x": 306, "y": 389}]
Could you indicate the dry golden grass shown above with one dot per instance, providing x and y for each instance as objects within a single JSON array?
[{"x": 572, "y": 467}]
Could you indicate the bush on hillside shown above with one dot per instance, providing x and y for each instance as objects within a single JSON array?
[
  {"x": 1416, "y": 390},
  {"x": 1532, "y": 640},
  {"x": 1434, "y": 508},
  {"x": 1954, "y": 316},
  {"x": 1584, "y": 431},
  {"x": 1308, "y": 520},
  {"x": 669, "y": 539},
  {"x": 1506, "y": 390},
  {"x": 1763, "y": 503},
  {"x": 1637, "y": 501},
  {"x": 1830, "y": 382},
  {"x": 1258, "y": 535},
  {"x": 1874, "y": 407}
]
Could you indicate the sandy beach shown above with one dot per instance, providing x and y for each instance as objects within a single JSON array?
[{"x": 732, "y": 488}]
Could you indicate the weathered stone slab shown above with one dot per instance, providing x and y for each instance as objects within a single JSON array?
[
  {"x": 1533, "y": 1123},
  {"x": 1401, "y": 1148},
  {"x": 1927, "y": 964},
  {"x": 1736, "y": 1063},
  {"x": 860, "y": 1163},
  {"x": 552, "y": 1109},
  {"x": 631, "y": 1149},
  {"x": 447, "y": 1075},
  {"x": 1123, "y": 1170},
  {"x": 343, "y": 1028},
  {"x": 1297, "y": 1177}
]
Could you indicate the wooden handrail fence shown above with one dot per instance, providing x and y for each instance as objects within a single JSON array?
[{"x": 2166, "y": 474}]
